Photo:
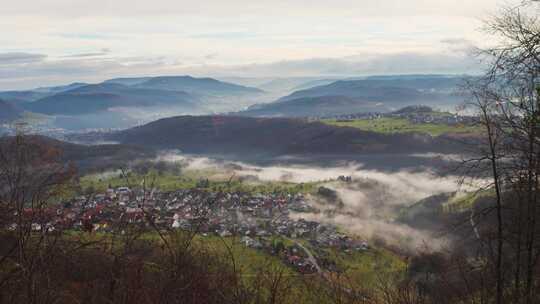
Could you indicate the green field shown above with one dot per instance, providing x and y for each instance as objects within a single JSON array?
[
  {"x": 402, "y": 125},
  {"x": 186, "y": 180}
]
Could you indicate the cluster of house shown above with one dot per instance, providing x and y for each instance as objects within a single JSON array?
[
  {"x": 255, "y": 218},
  {"x": 421, "y": 115},
  {"x": 292, "y": 255},
  {"x": 428, "y": 117},
  {"x": 11, "y": 129}
]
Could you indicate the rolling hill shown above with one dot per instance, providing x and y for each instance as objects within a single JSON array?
[
  {"x": 35, "y": 94},
  {"x": 129, "y": 81},
  {"x": 286, "y": 85},
  {"x": 272, "y": 136},
  {"x": 62, "y": 88},
  {"x": 100, "y": 97},
  {"x": 387, "y": 92},
  {"x": 80, "y": 98},
  {"x": 196, "y": 86},
  {"x": 314, "y": 106},
  {"x": 22, "y": 96},
  {"x": 371, "y": 94},
  {"x": 420, "y": 81},
  {"x": 387, "y": 88},
  {"x": 314, "y": 83}
]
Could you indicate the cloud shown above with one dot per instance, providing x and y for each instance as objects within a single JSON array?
[
  {"x": 20, "y": 58},
  {"x": 460, "y": 45},
  {"x": 211, "y": 56},
  {"x": 74, "y": 8},
  {"x": 454, "y": 41},
  {"x": 366, "y": 64},
  {"x": 103, "y": 52},
  {"x": 265, "y": 38},
  {"x": 64, "y": 70},
  {"x": 97, "y": 66}
]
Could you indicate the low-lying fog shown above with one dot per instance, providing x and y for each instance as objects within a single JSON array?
[
  {"x": 120, "y": 118},
  {"x": 369, "y": 204},
  {"x": 126, "y": 117}
]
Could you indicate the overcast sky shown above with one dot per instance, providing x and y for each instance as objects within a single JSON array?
[{"x": 46, "y": 42}]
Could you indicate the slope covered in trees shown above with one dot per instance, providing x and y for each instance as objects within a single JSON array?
[{"x": 273, "y": 136}]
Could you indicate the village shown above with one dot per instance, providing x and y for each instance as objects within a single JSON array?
[
  {"x": 414, "y": 114},
  {"x": 258, "y": 221}
]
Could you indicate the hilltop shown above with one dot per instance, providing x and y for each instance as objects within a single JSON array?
[
  {"x": 185, "y": 93},
  {"x": 101, "y": 97},
  {"x": 398, "y": 91},
  {"x": 314, "y": 106},
  {"x": 326, "y": 98},
  {"x": 272, "y": 136},
  {"x": 196, "y": 86}
]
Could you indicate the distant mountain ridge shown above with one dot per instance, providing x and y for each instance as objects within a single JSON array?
[
  {"x": 35, "y": 94},
  {"x": 182, "y": 92},
  {"x": 370, "y": 94},
  {"x": 22, "y": 96},
  {"x": 134, "y": 100},
  {"x": 314, "y": 107},
  {"x": 374, "y": 91},
  {"x": 129, "y": 81},
  {"x": 100, "y": 97},
  {"x": 63, "y": 88},
  {"x": 196, "y": 86}
]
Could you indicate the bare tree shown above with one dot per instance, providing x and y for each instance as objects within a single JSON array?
[
  {"x": 508, "y": 103},
  {"x": 31, "y": 175}
]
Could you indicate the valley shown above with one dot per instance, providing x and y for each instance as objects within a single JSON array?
[
  {"x": 270, "y": 152},
  {"x": 296, "y": 216},
  {"x": 329, "y": 192}
]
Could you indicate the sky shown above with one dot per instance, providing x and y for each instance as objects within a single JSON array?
[{"x": 51, "y": 42}]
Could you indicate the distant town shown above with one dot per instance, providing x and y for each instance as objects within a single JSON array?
[
  {"x": 259, "y": 221},
  {"x": 414, "y": 114}
]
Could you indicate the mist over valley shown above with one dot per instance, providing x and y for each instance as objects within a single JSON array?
[{"x": 278, "y": 152}]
